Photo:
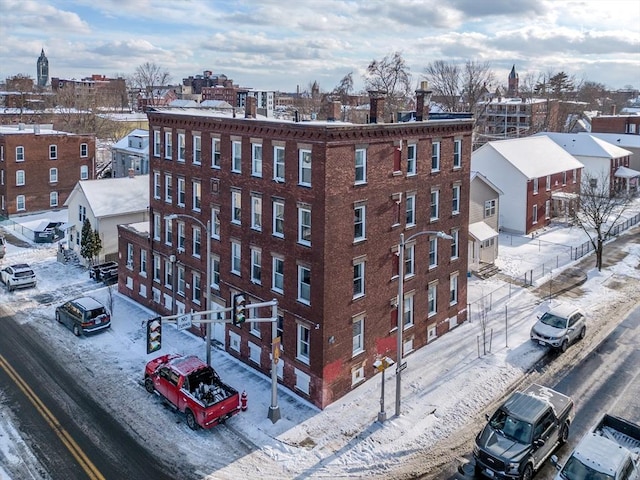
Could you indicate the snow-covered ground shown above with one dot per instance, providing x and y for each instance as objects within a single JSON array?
[{"x": 444, "y": 385}]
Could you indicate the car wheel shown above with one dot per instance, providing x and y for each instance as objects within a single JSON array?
[
  {"x": 9, "y": 287},
  {"x": 58, "y": 319},
  {"x": 76, "y": 330},
  {"x": 564, "y": 433},
  {"x": 583, "y": 332},
  {"x": 148, "y": 385},
  {"x": 527, "y": 474},
  {"x": 564, "y": 345},
  {"x": 191, "y": 420}
]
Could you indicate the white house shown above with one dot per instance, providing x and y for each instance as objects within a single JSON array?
[
  {"x": 538, "y": 178},
  {"x": 106, "y": 203}
]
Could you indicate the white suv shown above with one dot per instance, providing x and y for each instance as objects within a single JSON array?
[
  {"x": 559, "y": 327},
  {"x": 18, "y": 276}
]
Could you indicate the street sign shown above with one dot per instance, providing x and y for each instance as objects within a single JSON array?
[
  {"x": 402, "y": 366},
  {"x": 183, "y": 321}
]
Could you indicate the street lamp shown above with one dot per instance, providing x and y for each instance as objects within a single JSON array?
[
  {"x": 207, "y": 292},
  {"x": 399, "y": 366}
]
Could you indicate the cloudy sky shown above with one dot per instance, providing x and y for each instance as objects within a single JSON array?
[{"x": 271, "y": 44}]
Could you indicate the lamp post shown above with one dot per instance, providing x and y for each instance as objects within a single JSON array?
[
  {"x": 207, "y": 291},
  {"x": 400, "y": 326}
]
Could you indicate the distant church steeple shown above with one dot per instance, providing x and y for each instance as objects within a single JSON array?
[
  {"x": 43, "y": 70},
  {"x": 513, "y": 83}
]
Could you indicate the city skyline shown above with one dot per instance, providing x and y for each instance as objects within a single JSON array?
[{"x": 265, "y": 46}]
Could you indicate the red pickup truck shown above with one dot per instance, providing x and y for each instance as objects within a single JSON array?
[{"x": 193, "y": 388}]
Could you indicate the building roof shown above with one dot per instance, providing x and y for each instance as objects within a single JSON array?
[
  {"x": 586, "y": 145},
  {"x": 123, "y": 143},
  {"x": 22, "y": 129},
  {"x": 478, "y": 175},
  {"x": 215, "y": 104},
  {"x": 481, "y": 231},
  {"x": 534, "y": 157},
  {"x": 183, "y": 103},
  {"x": 115, "y": 196},
  {"x": 623, "y": 140}
]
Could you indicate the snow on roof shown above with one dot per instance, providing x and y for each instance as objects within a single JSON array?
[
  {"x": 42, "y": 129},
  {"x": 586, "y": 145},
  {"x": 215, "y": 104},
  {"x": 123, "y": 143},
  {"x": 624, "y": 140},
  {"x": 476, "y": 174},
  {"x": 115, "y": 196},
  {"x": 534, "y": 156},
  {"x": 140, "y": 227},
  {"x": 481, "y": 231},
  {"x": 183, "y": 103}
]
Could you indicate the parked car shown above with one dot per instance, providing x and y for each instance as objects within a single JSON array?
[
  {"x": 83, "y": 316},
  {"x": 19, "y": 275},
  {"x": 3, "y": 246},
  {"x": 559, "y": 327}
]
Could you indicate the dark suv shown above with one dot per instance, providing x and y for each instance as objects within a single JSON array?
[{"x": 83, "y": 316}]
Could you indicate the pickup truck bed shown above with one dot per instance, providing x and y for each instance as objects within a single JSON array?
[{"x": 621, "y": 432}]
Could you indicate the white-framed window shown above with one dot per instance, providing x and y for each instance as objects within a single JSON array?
[
  {"x": 196, "y": 195},
  {"x": 182, "y": 237},
  {"x": 197, "y": 242},
  {"x": 84, "y": 172},
  {"x": 129, "y": 255},
  {"x": 82, "y": 213},
  {"x": 156, "y": 143},
  {"x": 181, "y": 191},
  {"x": 304, "y": 226},
  {"x": 534, "y": 215},
  {"x": 304, "y": 343},
  {"x": 575, "y": 175},
  {"x": 435, "y": 205},
  {"x": 535, "y": 186},
  {"x": 453, "y": 288},
  {"x": 256, "y": 212},
  {"x": 410, "y": 210},
  {"x": 408, "y": 310},
  {"x": 490, "y": 208},
  {"x": 215, "y": 223},
  {"x": 197, "y": 149},
  {"x": 168, "y": 147},
  {"x": 236, "y": 207},
  {"x": 256, "y": 265},
  {"x": 182, "y": 147},
  {"x": 53, "y": 199},
  {"x": 168, "y": 231},
  {"x": 156, "y": 268},
  {"x": 278, "y": 218},
  {"x": 564, "y": 178},
  {"x": 236, "y": 157},
  {"x": 20, "y": 153},
  {"x": 359, "y": 223},
  {"x": 547, "y": 209},
  {"x": 215, "y": 153},
  {"x": 53, "y": 152},
  {"x": 215, "y": 272},
  {"x": 20, "y": 178},
  {"x": 21, "y": 203},
  {"x": 412, "y": 159},
  {"x": 256, "y": 159},
  {"x": 182, "y": 282},
  {"x": 358, "y": 278},
  {"x": 455, "y": 234},
  {"x": 156, "y": 226},
  {"x": 278, "y": 164},
  {"x": 304, "y": 284},
  {"x": 455, "y": 204},
  {"x": 196, "y": 287},
  {"x": 168, "y": 188},
  {"x": 433, "y": 252},
  {"x": 361, "y": 166},
  {"x": 143, "y": 262},
  {"x": 277, "y": 277},
  {"x": 302, "y": 381},
  {"x": 435, "y": 157},
  {"x": 548, "y": 183},
  {"x": 168, "y": 274},
  {"x": 157, "y": 188},
  {"x": 304, "y": 167},
  {"x": 432, "y": 299},
  {"x": 358, "y": 335},
  {"x": 457, "y": 153},
  {"x": 409, "y": 260},
  {"x": 236, "y": 257},
  {"x": 84, "y": 150}
]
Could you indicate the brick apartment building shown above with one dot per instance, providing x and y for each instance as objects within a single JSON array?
[
  {"x": 308, "y": 213},
  {"x": 629, "y": 124},
  {"x": 39, "y": 167}
]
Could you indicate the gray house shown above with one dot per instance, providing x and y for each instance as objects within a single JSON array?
[
  {"x": 484, "y": 212},
  {"x": 131, "y": 153}
]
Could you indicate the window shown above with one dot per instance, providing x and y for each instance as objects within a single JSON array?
[
  {"x": 236, "y": 207},
  {"x": 157, "y": 189},
  {"x": 304, "y": 335},
  {"x": 409, "y": 260},
  {"x": 156, "y": 143},
  {"x": 278, "y": 218},
  {"x": 408, "y": 311},
  {"x": 277, "y": 281},
  {"x": 433, "y": 252},
  {"x": 181, "y": 147},
  {"x": 235, "y": 258},
  {"x": 53, "y": 199},
  {"x": 304, "y": 226},
  {"x": 168, "y": 231},
  {"x": 129, "y": 255},
  {"x": 489, "y": 208},
  {"x": 256, "y": 265},
  {"x": 410, "y": 210},
  {"x": 215, "y": 272},
  {"x": 457, "y": 153},
  {"x": 196, "y": 291},
  {"x": 564, "y": 178},
  {"x": 156, "y": 268},
  {"x": 411, "y": 159},
  {"x": 181, "y": 237},
  {"x": 181, "y": 281},
  {"x": 280, "y": 329},
  {"x": 143, "y": 262},
  {"x": 197, "y": 195},
  {"x": 435, "y": 156},
  {"x": 53, "y": 152},
  {"x": 82, "y": 213},
  {"x": 215, "y": 153},
  {"x": 256, "y": 212},
  {"x": 547, "y": 209},
  {"x": 455, "y": 233},
  {"x": 534, "y": 215},
  {"x": 20, "y": 154},
  {"x": 168, "y": 274},
  {"x": 84, "y": 172},
  {"x": 358, "y": 278},
  {"x": 359, "y": 223},
  {"x": 256, "y": 160},
  {"x": 197, "y": 149},
  {"x": 215, "y": 223},
  {"x": 361, "y": 165},
  {"x": 197, "y": 242},
  {"x": 181, "y": 191},
  {"x": 575, "y": 175},
  {"x": 548, "y": 182},
  {"x": 168, "y": 192},
  {"x": 432, "y": 296},
  {"x": 304, "y": 284},
  {"x": 20, "y": 203},
  {"x": 84, "y": 150},
  {"x": 304, "y": 172},
  {"x": 535, "y": 186},
  {"x": 435, "y": 204},
  {"x": 20, "y": 177},
  {"x": 236, "y": 157},
  {"x": 453, "y": 289},
  {"x": 358, "y": 335},
  {"x": 156, "y": 226},
  {"x": 278, "y": 164},
  {"x": 167, "y": 145},
  {"x": 455, "y": 204}
]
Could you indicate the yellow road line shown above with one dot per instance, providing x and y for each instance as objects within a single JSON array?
[{"x": 90, "y": 469}]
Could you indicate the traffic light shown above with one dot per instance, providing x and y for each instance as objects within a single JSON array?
[
  {"x": 239, "y": 309},
  {"x": 154, "y": 335}
]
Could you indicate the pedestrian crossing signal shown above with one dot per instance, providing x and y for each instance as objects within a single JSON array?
[{"x": 154, "y": 335}]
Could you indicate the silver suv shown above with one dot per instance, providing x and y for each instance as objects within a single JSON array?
[
  {"x": 559, "y": 327},
  {"x": 18, "y": 276}
]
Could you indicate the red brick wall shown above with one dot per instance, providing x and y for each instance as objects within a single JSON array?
[{"x": 616, "y": 124}]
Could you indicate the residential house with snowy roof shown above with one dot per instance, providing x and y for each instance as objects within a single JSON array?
[
  {"x": 623, "y": 140},
  {"x": 484, "y": 212},
  {"x": 131, "y": 154}
]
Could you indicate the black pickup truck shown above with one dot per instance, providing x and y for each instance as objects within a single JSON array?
[{"x": 523, "y": 433}]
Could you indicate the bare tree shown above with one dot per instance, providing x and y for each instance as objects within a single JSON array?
[
  {"x": 147, "y": 76},
  {"x": 392, "y": 76},
  {"x": 444, "y": 80},
  {"x": 475, "y": 78},
  {"x": 599, "y": 211}
]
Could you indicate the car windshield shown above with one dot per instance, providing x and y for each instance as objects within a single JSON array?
[
  {"x": 511, "y": 427},
  {"x": 576, "y": 470},
  {"x": 553, "y": 320}
]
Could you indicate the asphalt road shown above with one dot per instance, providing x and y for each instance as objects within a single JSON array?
[{"x": 72, "y": 435}]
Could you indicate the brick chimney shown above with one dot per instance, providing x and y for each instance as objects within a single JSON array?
[
  {"x": 423, "y": 97},
  {"x": 335, "y": 111},
  {"x": 250, "y": 107},
  {"x": 613, "y": 109},
  {"x": 376, "y": 105}
]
